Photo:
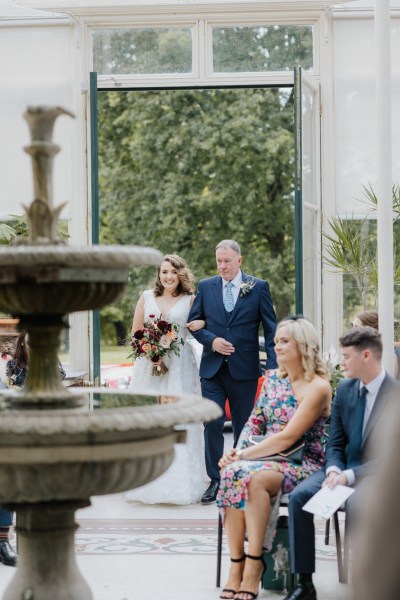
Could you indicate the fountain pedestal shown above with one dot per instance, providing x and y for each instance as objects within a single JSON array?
[{"x": 46, "y": 560}]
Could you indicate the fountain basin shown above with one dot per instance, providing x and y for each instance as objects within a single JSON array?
[
  {"x": 58, "y": 279},
  {"x": 70, "y": 455}
]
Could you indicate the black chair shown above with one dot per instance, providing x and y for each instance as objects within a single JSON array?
[{"x": 342, "y": 554}]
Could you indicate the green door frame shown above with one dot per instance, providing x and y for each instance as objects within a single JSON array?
[
  {"x": 94, "y": 163},
  {"x": 297, "y": 182},
  {"x": 298, "y": 195}
]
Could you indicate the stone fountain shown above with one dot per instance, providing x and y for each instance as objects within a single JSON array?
[{"x": 58, "y": 448}]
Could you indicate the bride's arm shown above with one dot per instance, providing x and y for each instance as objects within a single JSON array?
[
  {"x": 138, "y": 317},
  {"x": 196, "y": 324}
]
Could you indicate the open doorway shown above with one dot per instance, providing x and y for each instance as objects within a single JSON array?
[{"x": 181, "y": 169}]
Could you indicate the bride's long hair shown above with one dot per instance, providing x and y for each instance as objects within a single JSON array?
[{"x": 186, "y": 277}]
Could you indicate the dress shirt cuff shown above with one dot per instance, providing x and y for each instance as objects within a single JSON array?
[
  {"x": 350, "y": 476},
  {"x": 333, "y": 469}
]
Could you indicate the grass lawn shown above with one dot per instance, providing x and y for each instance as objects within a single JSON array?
[{"x": 114, "y": 354}]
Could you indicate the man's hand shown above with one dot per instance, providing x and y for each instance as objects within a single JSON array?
[
  {"x": 334, "y": 479},
  {"x": 222, "y": 346}
]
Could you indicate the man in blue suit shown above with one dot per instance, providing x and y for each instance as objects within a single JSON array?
[
  {"x": 359, "y": 404},
  {"x": 233, "y": 305}
]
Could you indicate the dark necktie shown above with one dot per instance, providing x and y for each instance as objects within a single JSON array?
[{"x": 356, "y": 434}]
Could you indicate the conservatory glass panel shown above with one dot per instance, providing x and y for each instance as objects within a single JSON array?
[
  {"x": 262, "y": 48},
  {"x": 310, "y": 263},
  {"x": 309, "y": 145},
  {"x": 38, "y": 76},
  {"x": 142, "y": 51},
  {"x": 355, "y": 106}
]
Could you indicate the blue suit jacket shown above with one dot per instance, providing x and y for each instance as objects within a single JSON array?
[
  {"x": 240, "y": 327},
  {"x": 342, "y": 418}
]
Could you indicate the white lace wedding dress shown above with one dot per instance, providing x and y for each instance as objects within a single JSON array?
[{"x": 184, "y": 481}]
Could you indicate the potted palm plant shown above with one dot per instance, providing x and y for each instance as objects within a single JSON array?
[{"x": 350, "y": 248}]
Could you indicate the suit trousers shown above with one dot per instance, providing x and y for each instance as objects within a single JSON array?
[
  {"x": 6, "y": 518},
  {"x": 301, "y": 523},
  {"x": 241, "y": 396}
]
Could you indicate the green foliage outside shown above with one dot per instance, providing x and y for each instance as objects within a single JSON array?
[
  {"x": 180, "y": 170},
  {"x": 268, "y": 48},
  {"x": 17, "y": 226},
  {"x": 142, "y": 51},
  {"x": 155, "y": 50}
]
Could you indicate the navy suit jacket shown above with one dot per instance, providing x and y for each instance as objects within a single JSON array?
[
  {"x": 342, "y": 419},
  {"x": 240, "y": 327}
]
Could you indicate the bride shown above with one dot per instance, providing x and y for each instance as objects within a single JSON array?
[{"x": 171, "y": 299}]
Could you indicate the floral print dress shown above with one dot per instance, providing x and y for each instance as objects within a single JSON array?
[{"x": 275, "y": 407}]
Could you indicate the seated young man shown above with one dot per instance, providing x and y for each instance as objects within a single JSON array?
[{"x": 359, "y": 403}]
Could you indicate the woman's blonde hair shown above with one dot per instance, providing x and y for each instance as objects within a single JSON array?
[
  {"x": 303, "y": 332},
  {"x": 186, "y": 277}
]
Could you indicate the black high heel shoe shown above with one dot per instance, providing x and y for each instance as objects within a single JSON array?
[
  {"x": 252, "y": 594},
  {"x": 228, "y": 590}
]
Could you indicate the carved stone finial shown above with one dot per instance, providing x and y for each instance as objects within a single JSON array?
[
  {"x": 41, "y": 121},
  {"x": 42, "y": 217}
]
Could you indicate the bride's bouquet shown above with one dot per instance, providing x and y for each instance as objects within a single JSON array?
[{"x": 157, "y": 339}]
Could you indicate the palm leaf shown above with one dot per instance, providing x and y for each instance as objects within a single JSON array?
[
  {"x": 347, "y": 250},
  {"x": 7, "y": 233},
  {"x": 371, "y": 199}
]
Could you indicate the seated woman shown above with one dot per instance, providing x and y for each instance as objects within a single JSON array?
[
  {"x": 17, "y": 367},
  {"x": 293, "y": 404}
]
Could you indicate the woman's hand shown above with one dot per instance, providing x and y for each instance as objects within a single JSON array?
[
  {"x": 155, "y": 363},
  {"x": 228, "y": 458},
  {"x": 196, "y": 325}
]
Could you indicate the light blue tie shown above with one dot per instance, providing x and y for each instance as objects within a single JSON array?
[{"x": 228, "y": 297}]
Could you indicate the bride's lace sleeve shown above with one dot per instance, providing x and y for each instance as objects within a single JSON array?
[{"x": 196, "y": 348}]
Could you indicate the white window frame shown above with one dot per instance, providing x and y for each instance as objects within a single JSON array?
[{"x": 202, "y": 56}]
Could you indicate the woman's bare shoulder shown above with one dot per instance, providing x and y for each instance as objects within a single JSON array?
[{"x": 320, "y": 385}]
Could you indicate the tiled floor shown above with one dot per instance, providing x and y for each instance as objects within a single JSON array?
[{"x": 129, "y": 551}]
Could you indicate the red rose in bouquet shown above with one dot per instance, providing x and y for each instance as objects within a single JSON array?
[{"x": 157, "y": 338}]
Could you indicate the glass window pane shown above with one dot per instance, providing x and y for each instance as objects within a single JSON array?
[
  {"x": 142, "y": 51},
  {"x": 262, "y": 48},
  {"x": 310, "y": 264},
  {"x": 309, "y": 149}
]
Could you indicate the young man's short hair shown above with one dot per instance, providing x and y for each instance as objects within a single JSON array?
[{"x": 363, "y": 338}]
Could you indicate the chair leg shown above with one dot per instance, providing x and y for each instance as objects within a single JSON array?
[
  {"x": 327, "y": 531},
  {"x": 219, "y": 551},
  {"x": 346, "y": 549},
  {"x": 338, "y": 547},
  {"x": 292, "y": 582}
]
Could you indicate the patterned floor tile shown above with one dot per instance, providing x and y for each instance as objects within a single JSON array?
[{"x": 169, "y": 537}]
